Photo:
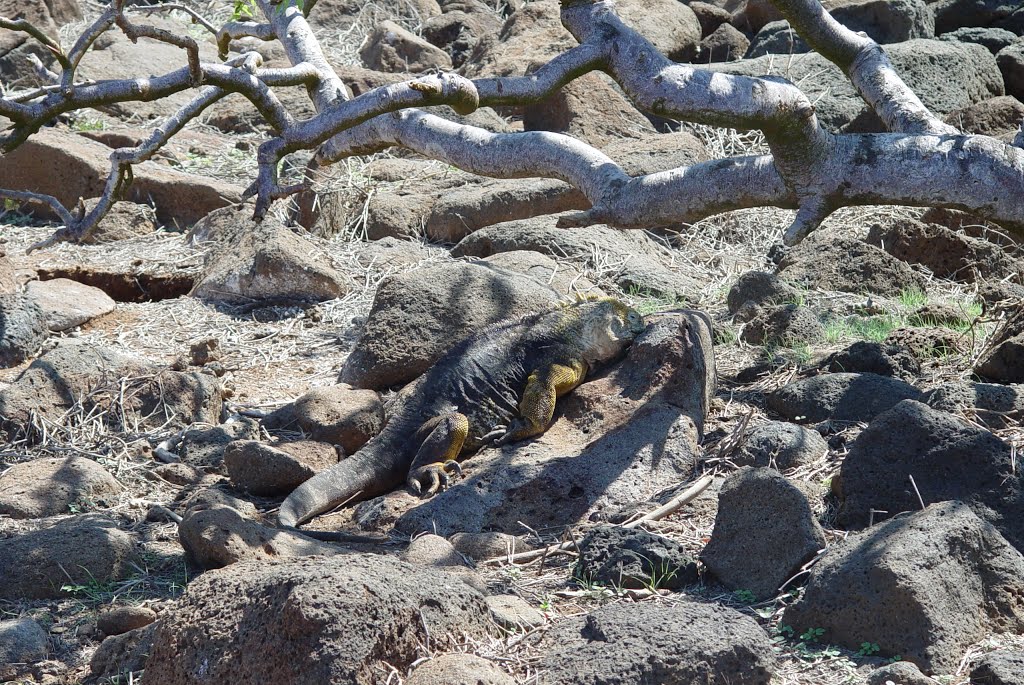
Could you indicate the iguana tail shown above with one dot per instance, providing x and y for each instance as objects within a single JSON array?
[{"x": 365, "y": 474}]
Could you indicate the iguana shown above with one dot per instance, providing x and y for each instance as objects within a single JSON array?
[{"x": 497, "y": 387}]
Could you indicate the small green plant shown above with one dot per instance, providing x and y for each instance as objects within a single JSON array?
[
  {"x": 868, "y": 649},
  {"x": 92, "y": 590},
  {"x": 812, "y": 634},
  {"x": 726, "y": 335},
  {"x": 744, "y": 596},
  {"x": 660, "y": 576},
  {"x": 87, "y": 124}
]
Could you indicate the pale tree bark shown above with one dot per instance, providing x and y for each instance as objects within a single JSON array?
[{"x": 921, "y": 161}]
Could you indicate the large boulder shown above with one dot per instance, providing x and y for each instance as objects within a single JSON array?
[
  {"x": 100, "y": 380},
  {"x": 51, "y": 486},
  {"x": 533, "y": 34},
  {"x": 82, "y": 551},
  {"x": 840, "y": 397},
  {"x": 945, "y": 75},
  {"x": 884, "y": 359},
  {"x": 640, "y": 263},
  {"x": 948, "y": 459},
  {"x": 923, "y": 586},
  {"x": 590, "y": 108},
  {"x": 990, "y": 404},
  {"x": 617, "y": 440},
  {"x": 848, "y": 265},
  {"x": 311, "y": 620},
  {"x": 690, "y": 642},
  {"x": 787, "y": 325},
  {"x": 952, "y": 14},
  {"x": 418, "y": 316},
  {"x": 993, "y": 39},
  {"x": 669, "y": 25},
  {"x": 764, "y": 532},
  {"x": 946, "y": 253},
  {"x": 999, "y": 668},
  {"x": 338, "y": 414},
  {"x": 458, "y": 669},
  {"x": 1011, "y": 63},
  {"x": 267, "y": 470},
  {"x": 759, "y": 288},
  {"x": 392, "y": 48},
  {"x": 266, "y": 261},
  {"x": 69, "y": 166}
]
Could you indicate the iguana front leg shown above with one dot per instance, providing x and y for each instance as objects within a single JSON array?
[
  {"x": 437, "y": 456},
  {"x": 537, "y": 406}
]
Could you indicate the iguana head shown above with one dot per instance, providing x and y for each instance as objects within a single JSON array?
[{"x": 606, "y": 328}]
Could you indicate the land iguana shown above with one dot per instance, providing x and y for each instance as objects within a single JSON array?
[{"x": 499, "y": 386}]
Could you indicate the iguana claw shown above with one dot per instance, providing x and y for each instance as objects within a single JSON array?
[
  {"x": 496, "y": 433},
  {"x": 436, "y": 477}
]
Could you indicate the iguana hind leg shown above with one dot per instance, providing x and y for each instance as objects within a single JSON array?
[
  {"x": 436, "y": 459},
  {"x": 537, "y": 407}
]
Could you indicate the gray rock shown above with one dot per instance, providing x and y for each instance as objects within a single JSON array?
[
  {"x": 992, "y": 405},
  {"x": 203, "y": 448},
  {"x": 784, "y": 325},
  {"x": 948, "y": 458},
  {"x": 999, "y": 668},
  {"x": 761, "y": 288},
  {"x": 726, "y": 43},
  {"x": 312, "y": 620},
  {"x": 119, "y": 655},
  {"x": 488, "y": 545},
  {"x": 514, "y": 613},
  {"x": 899, "y": 673},
  {"x": 66, "y": 303},
  {"x": 459, "y": 669},
  {"x": 391, "y": 48},
  {"x": 641, "y": 263},
  {"x": 945, "y": 75},
  {"x": 887, "y": 21},
  {"x": 946, "y": 253},
  {"x": 1004, "y": 362},
  {"x": 50, "y": 486},
  {"x": 614, "y": 556},
  {"x": 1011, "y": 63},
  {"x": 22, "y": 642},
  {"x": 75, "y": 371},
  {"x": 952, "y": 14},
  {"x": 710, "y": 16},
  {"x": 899, "y": 586},
  {"x": 590, "y": 108},
  {"x": 219, "y": 536},
  {"x": 780, "y": 445},
  {"x": 671, "y": 26},
  {"x": 993, "y": 39},
  {"x": 693, "y": 643},
  {"x": 85, "y": 550},
  {"x": 563, "y": 278},
  {"x": 265, "y": 470},
  {"x": 417, "y": 316},
  {"x": 458, "y": 32},
  {"x": 764, "y": 532},
  {"x": 840, "y": 397},
  {"x": 848, "y": 265},
  {"x": 432, "y": 550},
  {"x": 338, "y": 414},
  {"x": 776, "y": 38},
  {"x": 598, "y": 456},
  {"x": 22, "y": 328},
  {"x": 266, "y": 261},
  {"x": 884, "y": 359}
]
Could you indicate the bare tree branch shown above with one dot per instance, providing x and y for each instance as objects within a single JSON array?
[
  {"x": 242, "y": 29},
  {"x": 27, "y": 27}
]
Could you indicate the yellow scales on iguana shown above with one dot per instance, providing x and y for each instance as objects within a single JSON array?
[{"x": 498, "y": 386}]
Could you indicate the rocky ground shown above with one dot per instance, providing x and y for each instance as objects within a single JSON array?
[{"x": 805, "y": 471}]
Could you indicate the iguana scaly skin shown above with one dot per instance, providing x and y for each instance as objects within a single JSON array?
[{"x": 497, "y": 387}]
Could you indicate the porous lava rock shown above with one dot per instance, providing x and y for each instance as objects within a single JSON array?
[
  {"x": 923, "y": 585},
  {"x": 840, "y": 397},
  {"x": 780, "y": 445},
  {"x": 635, "y": 644},
  {"x": 948, "y": 459},
  {"x": 627, "y": 557},
  {"x": 49, "y": 486},
  {"x": 764, "y": 532},
  {"x": 311, "y": 620}
]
